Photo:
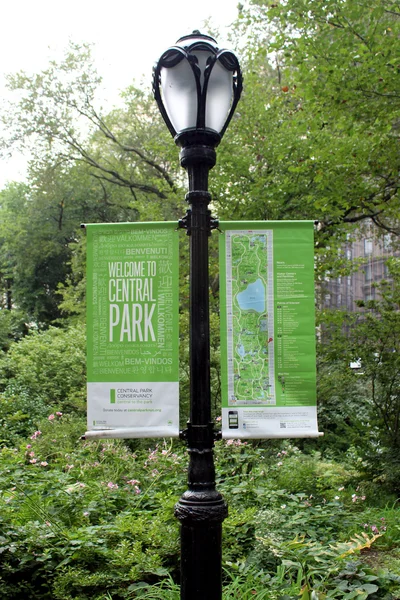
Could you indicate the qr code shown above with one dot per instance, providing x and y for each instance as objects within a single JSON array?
[{"x": 283, "y": 425}]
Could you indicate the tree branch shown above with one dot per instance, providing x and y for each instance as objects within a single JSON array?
[
  {"x": 96, "y": 120},
  {"x": 113, "y": 176},
  {"x": 373, "y": 93}
]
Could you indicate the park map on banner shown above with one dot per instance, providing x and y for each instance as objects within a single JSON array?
[
  {"x": 132, "y": 330},
  {"x": 268, "y": 360}
]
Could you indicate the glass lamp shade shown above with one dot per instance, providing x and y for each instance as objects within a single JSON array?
[{"x": 196, "y": 85}]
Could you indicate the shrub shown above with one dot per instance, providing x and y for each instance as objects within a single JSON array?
[
  {"x": 19, "y": 415},
  {"x": 81, "y": 517},
  {"x": 48, "y": 365},
  {"x": 86, "y": 519}
]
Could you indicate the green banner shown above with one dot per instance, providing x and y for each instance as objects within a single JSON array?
[
  {"x": 268, "y": 329},
  {"x": 132, "y": 330}
]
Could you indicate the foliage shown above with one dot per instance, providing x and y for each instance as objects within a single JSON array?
[
  {"x": 33, "y": 252},
  {"x": 12, "y": 327},
  {"x": 83, "y": 519},
  {"x": 368, "y": 398},
  {"x": 19, "y": 415},
  {"x": 332, "y": 104},
  {"x": 375, "y": 341},
  {"x": 342, "y": 413},
  {"x": 80, "y": 521},
  {"x": 48, "y": 366},
  {"x": 73, "y": 290},
  {"x": 245, "y": 586}
]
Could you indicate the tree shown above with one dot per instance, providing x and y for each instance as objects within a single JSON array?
[
  {"x": 317, "y": 131},
  {"x": 47, "y": 365},
  {"x": 56, "y": 118},
  {"x": 375, "y": 341},
  {"x": 85, "y": 167},
  {"x": 363, "y": 405},
  {"x": 34, "y": 250}
]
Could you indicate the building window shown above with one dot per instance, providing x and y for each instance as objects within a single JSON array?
[
  {"x": 368, "y": 272},
  {"x": 370, "y": 295},
  {"x": 368, "y": 246},
  {"x": 387, "y": 241}
]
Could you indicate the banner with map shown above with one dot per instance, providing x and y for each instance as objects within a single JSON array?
[
  {"x": 268, "y": 330},
  {"x": 132, "y": 330}
]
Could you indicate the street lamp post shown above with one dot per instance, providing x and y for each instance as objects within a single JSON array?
[{"x": 197, "y": 87}]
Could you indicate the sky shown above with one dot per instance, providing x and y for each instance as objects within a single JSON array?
[{"x": 128, "y": 38}]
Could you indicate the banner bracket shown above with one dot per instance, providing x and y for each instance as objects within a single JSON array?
[
  {"x": 213, "y": 223},
  {"x": 186, "y": 222},
  {"x": 208, "y": 431},
  {"x": 183, "y": 435}
]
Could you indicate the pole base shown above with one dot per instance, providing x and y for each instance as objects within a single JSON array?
[
  {"x": 201, "y": 514},
  {"x": 201, "y": 506}
]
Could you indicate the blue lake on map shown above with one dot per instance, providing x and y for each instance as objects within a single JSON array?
[
  {"x": 241, "y": 351},
  {"x": 260, "y": 238},
  {"x": 253, "y": 297}
]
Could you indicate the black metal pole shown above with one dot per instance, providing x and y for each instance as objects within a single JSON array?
[{"x": 201, "y": 509}]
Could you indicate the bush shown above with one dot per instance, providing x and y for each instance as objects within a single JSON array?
[
  {"x": 48, "y": 365},
  {"x": 12, "y": 327},
  {"x": 19, "y": 415},
  {"x": 86, "y": 519},
  {"x": 81, "y": 517}
]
